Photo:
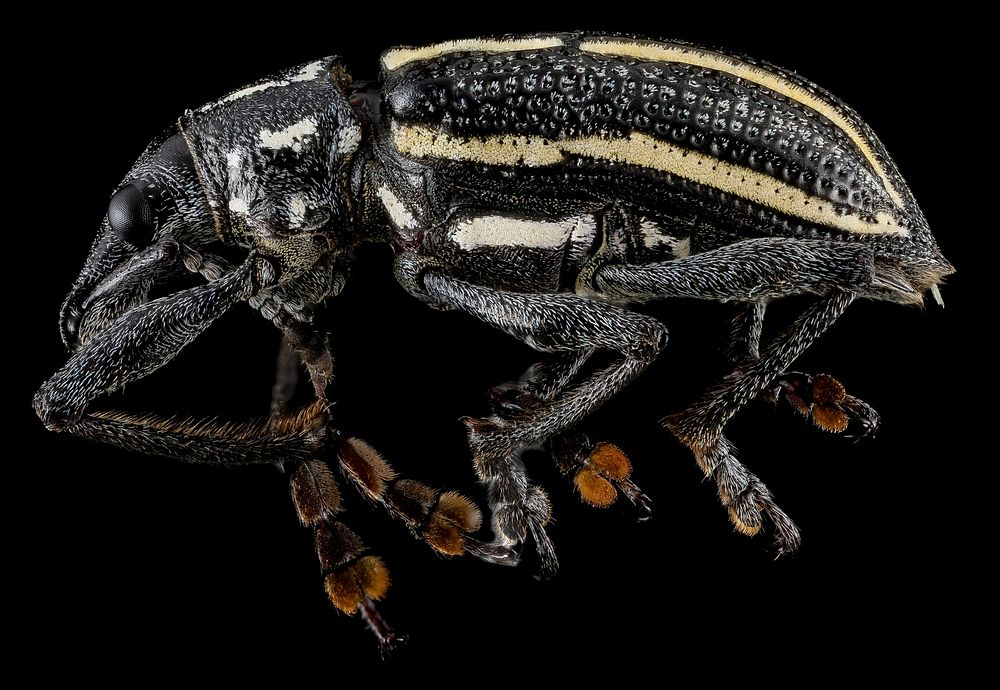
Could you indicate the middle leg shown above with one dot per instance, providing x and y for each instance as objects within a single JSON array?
[{"x": 561, "y": 323}]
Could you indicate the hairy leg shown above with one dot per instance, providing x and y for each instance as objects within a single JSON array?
[
  {"x": 825, "y": 401},
  {"x": 142, "y": 340},
  {"x": 700, "y": 427},
  {"x": 551, "y": 323},
  {"x": 819, "y": 397},
  {"x": 744, "y": 338},
  {"x": 759, "y": 269}
]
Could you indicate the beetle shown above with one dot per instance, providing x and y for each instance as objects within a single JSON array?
[{"x": 542, "y": 183}]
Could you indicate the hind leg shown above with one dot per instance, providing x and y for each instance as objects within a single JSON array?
[
  {"x": 752, "y": 270},
  {"x": 819, "y": 397}
]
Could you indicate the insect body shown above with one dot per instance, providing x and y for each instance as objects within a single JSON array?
[{"x": 541, "y": 183}]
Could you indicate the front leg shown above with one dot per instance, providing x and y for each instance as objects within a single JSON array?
[{"x": 142, "y": 340}]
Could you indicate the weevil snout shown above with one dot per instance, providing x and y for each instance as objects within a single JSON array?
[{"x": 159, "y": 206}]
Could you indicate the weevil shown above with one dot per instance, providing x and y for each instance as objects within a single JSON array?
[{"x": 545, "y": 184}]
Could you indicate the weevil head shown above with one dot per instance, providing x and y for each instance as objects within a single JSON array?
[
  {"x": 157, "y": 207},
  {"x": 264, "y": 169}
]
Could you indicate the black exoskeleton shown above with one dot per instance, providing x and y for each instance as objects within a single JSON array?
[{"x": 542, "y": 183}]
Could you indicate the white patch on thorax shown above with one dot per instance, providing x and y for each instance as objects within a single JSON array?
[
  {"x": 297, "y": 210},
  {"x": 292, "y": 137},
  {"x": 238, "y": 205},
  {"x": 506, "y": 231},
  {"x": 682, "y": 248},
  {"x": 655, "y": 238},
  {"x": 234, "y": 161},
  {"x": 348, "y": 138},
  {"x": 243, "y": 93},
  {"x": 399, "y": 214},
  {"x": 584, "y": 232},
  {"x": 309, "y": 72}
]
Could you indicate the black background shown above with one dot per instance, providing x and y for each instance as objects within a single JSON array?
[{"x": 167, "y": 564}]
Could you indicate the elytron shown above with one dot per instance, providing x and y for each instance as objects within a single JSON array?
[{"x": 544, "y": 184}]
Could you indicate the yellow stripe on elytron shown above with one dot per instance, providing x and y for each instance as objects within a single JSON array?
[
  {"x": 655, "y": 52},
  {"x": 644, "y": 151},
  {"x": 394, "y": 58}
]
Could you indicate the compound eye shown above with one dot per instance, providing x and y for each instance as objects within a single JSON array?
[{"x": 130, "y": 216}]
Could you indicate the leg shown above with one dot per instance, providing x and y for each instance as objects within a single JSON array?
[
  {"x": 700, "y": 427},
  {"x": 141, "y": 341},
  {"x": 442, "y": 519},
  {"x": 286, "y": 379},
  {"x": 824, "y": 399},
  {"x": 353, "y": 579},
  {"x": 761, "y": 268},
  {"x": 291, "y": 308},
  {"x": 552, "y": 323},
  {"x": 821, "y": 397},
  {"x": 599, "y": 472},
  {"x": 541, "y": 382},
  {"x": 751, "y": 270},
  {"x": 352, "y": 576},
  {"x": 744, "y": 339}
]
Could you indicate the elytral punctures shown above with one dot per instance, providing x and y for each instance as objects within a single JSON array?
[{"x": 666, "y": 52}]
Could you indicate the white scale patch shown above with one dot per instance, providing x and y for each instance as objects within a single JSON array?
[
  {"x": 234, "y": 161},
  {"x": 643, "y": 151},
  {"x": 238, "y": 205},
  {"x": 243, "y": 93},
  {"x": 307, "y": 73},
  {"x": 399, "y": 214},
  {"x": 348, "y": 138},
  {"x": 505, "y": 231},
  {"x": 655, "y": 238},
  {"x": 297, "y": 210},
  {"x": 682, "y": 248},
  {"x": 292, "y": 137}
]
